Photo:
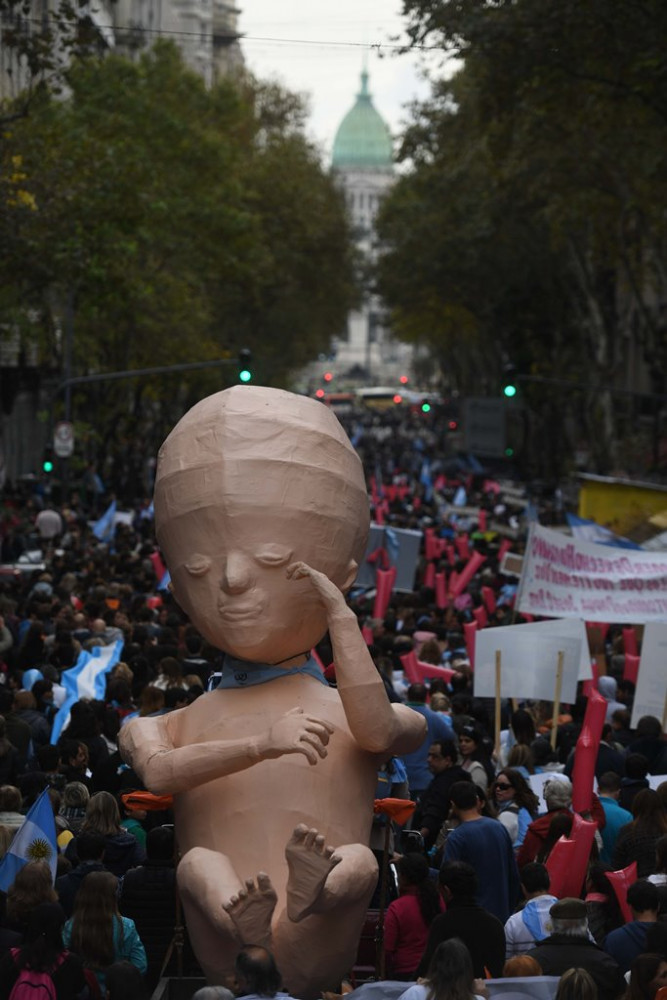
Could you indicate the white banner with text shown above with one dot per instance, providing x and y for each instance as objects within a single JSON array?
[{"x": 566, "y": 578}]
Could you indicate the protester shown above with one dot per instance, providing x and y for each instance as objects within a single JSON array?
[
  {"x": 450, "y": 976},
  {"x": 486, "y": 845},
  {"x": 648, "y": 974},
  {"x": 637, "y": 840},
  {"x": 408, "y": 918},
  {"x": 480, "y": 931},
  {"x": 435, "y": 802},
  {"x": 576, "y": 984},
  {"x": 121, "y": 850},
  {"x": 569, "y": 946},
  {"x": 97, "y": 933},
  {"x": 258, "y": 975},
  {"x": 32, "y": 885},
  {"x": 521, "y": 966},
  {"x": 625, "y": 943},
  {"x": 533, "y": 922},
  {"x": 609, "y": 790},
  {"x": 474, "y": 758},
  {"x": 516, "y": 804},
  {"x": 42, "y": 955}
]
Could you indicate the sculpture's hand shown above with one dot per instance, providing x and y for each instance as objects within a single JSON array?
[
  {"x": 297, "y": 733},
  {"x": 332, "y": 598}
]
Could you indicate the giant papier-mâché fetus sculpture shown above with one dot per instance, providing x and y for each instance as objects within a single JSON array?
[{"x": 262, "y": 515}]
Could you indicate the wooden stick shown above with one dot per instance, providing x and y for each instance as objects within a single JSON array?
[
  {"x": 559, "y": 684},
  {"x": 498, "y": 704}
]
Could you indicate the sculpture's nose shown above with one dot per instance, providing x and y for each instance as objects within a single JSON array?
[{"x": 237, "y": 573}]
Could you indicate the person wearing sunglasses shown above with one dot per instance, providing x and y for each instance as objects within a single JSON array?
[{"x": 516, "y": 803}]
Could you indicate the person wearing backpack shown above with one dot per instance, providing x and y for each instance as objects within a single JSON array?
[{"x": 42, "y": 968}]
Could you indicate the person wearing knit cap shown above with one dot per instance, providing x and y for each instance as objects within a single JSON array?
[{"x": 569, "y": 946}]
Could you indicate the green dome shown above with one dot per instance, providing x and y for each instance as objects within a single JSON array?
[{"x": 363, "y": 140}]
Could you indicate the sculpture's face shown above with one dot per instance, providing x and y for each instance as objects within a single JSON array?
[
  {"x": 248, "y": 482},
  {"x": 229, "y": 576}
]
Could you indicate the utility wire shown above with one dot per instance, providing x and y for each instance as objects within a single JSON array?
[{"x": 378, "y": 46}]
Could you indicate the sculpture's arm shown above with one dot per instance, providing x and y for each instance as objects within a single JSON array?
[
  {"x": 149, "y": 747},
  {"x": 376, "y": 724}
]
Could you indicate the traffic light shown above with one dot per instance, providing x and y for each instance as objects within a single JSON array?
[
  {"x": 47, "y": 459},
  {"x": 245, "y": 365},
  {"x": 403, "y": 379},
  {"x": 509, "y": 381},
  {"x": 328, "y": 376},
  {"x": 320, "y": 393},
  {"x": 398, "y": 398},
  {"x": 426, "y": 406}
]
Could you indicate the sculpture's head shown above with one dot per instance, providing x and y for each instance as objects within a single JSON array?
[{"x": 250, "y": 480}]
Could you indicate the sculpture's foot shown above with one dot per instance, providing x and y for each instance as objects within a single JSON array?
[
  {"x": 251, "y": 910},
  {"x": 309, "y": 861}
]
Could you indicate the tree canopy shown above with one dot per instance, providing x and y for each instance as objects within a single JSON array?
[
  {"x": 177, "y": 224},
  {"x": 533, "y": 216}
]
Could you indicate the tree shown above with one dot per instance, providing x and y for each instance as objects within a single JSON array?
[
  {"x": 179, "y": 224},
  {"x": 536, "y": 175}
]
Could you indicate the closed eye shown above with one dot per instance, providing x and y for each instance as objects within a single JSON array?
[
  {"x": 274, "y": 555},
  {"x": 198, "y": 565}
]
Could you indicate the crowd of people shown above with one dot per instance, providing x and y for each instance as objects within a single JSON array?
[{"x": 468, "y": 896}]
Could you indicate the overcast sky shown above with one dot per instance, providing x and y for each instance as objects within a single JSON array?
[{"x": 317, "y": 48}]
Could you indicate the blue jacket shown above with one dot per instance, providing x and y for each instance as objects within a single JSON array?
[
  {"x": 127, "y": 947},
  {"x": 439, "y": 728},
  {"x": 625, "y": 943},
  {"x": 616, "y": 817}
]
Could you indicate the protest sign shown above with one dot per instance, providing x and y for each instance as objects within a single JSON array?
[
  {"x": 568, "y": 578},
  {"x": 651, "y": 691},
  {"x": 572, "y": 628},
  {"x": 402, "y": 548},
  {"x": 528, "y": 663}
]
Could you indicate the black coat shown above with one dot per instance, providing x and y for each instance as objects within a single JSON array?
[
  {"x": 148, "y": 897},
  {"x": 481, "y": 932},
  {"x": 560, "y": 952},
  {"x": 435, "y": 803}
]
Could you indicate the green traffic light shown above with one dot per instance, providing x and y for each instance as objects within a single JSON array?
[
  {"x": 48, "y": 466},
  {"x": 509, "y": 390},
  {"x": 245, "y": 375},
  {"x": 426, "y": 407},
  {"x": 509, "y": 452}
]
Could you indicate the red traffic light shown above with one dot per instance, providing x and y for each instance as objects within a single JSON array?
[
  {"x": 403, "y": 380},
  {"x": 319, "y": 393},
  {"x": 453, "y": 425},
  {"x": 328, "y": 376},
  {"x": 398, "y": 398}
]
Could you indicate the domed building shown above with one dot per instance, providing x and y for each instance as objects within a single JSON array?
[{"x": 363, "y": 161}]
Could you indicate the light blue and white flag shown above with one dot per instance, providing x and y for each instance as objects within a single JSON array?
[
  {"x": 531, "y": 513},
  {"x": 426, "y": 480},
  {"x": 86, "y": 679},
  {"x": 35, "y": 840},
  {"x": 104, "y": 528},
  {"x": 460, "y": 497},
  {"x": 590, "y": 531},
  {"x": 165, "y": 581}
]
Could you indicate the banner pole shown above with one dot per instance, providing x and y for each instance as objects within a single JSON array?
[
  {"x": 498, "y": 704},
  {"x": 559, "y": 685}
]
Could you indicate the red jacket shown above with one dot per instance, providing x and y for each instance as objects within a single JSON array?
[{"x": 537, "y": 832}]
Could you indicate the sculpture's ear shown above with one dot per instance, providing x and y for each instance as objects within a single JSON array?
[{"x": 352, "y": 568}]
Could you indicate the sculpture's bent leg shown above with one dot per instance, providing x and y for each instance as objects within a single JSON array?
[
  {"x": 315, "y": 952},
  {"x": 206, "y": 880}
]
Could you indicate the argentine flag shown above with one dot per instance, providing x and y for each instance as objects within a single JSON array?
[
  {"x": 85, "y": 680},
  {"x": 35, "y": 840},
  {"x": 105, "y": 527},
  {"x": 591, "y": 531}
]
